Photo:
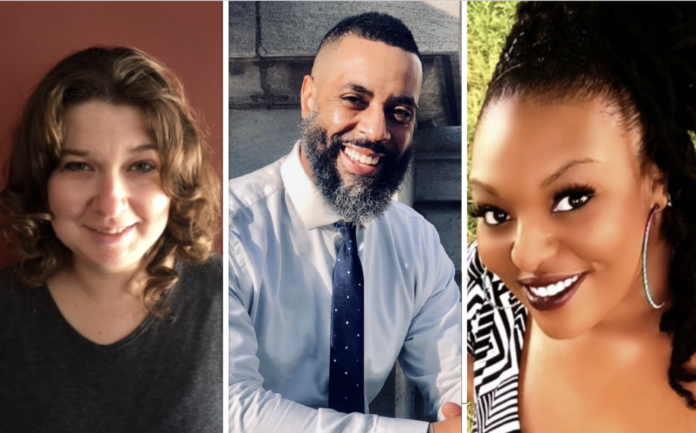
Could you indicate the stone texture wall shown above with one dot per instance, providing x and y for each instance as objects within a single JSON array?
[
  {"x": 272, "y": 47},
  {"x": 296, "y": 28}
]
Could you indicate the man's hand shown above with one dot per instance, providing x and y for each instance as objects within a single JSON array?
[
  {"x": 453, "y": 419},
  {"x": 451, "y": 410}
]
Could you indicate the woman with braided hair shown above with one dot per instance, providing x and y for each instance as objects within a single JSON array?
[{"x": 582, "y": 282}]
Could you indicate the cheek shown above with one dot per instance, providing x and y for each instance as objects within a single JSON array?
[
  {"x": 402, "y": 138},
  {"x": 65, "y": 202},
  {"x": 153, "y": 205},
  {"x": 336, "y": 118},
  {"x": 494, "y": 248},
  {"x": 339, "y": 118},
  {"x": 610, "y": 237}
]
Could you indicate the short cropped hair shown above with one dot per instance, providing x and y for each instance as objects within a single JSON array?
[
  {"x": 118, "y": 76},
  {"x": 374, "y": 26}
]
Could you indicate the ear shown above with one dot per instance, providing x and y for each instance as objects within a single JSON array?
[
  {"x": 307, "y": 96},
  {"x": 658, "y": 185}
]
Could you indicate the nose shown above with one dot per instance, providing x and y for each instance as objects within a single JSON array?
[
  {"x": 373, "y": 124},
  {"x": 534, "y": 243},
  {"x": 111, "y": 198}
]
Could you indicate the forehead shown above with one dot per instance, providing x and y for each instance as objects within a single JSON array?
[
  {"x": 374, "y": 65},
  {"x": 96, "y": 124},
  {"x": 532, "y": 139}
]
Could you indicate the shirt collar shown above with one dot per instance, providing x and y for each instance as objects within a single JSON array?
[{"x": 304, "y": 194}]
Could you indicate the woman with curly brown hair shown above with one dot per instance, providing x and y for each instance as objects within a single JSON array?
[
  {"x": 581, "y": 291},
  {"x": 111, "y": 319}
]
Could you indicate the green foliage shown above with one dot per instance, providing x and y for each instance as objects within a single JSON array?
[
  {"x": 488, "y": 23},
  {"x": 469, "y": 417}
]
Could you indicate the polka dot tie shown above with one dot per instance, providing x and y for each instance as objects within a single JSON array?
[{"x": 346, "y": 372}]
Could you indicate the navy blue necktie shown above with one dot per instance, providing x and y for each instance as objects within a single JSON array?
[{"x": 346, "y": 373}]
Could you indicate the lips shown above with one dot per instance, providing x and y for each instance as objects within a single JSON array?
[
  {"x": 551, "y": 292},
  {"x": 112, "y": 231},
  {"x": 361, "y": 157},
  {"x": 361, "y": 161},
  {"x": 111, "y": 234}
]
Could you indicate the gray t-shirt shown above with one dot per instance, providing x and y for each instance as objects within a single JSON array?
[{"x": 164, "y": 377}]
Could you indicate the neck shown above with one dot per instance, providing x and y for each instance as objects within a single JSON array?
[{"x": 103, "y": 286}]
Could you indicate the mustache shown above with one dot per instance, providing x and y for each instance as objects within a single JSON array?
[{"x": 339, "y": 140}]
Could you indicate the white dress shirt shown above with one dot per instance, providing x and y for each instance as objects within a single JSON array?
[{"x": 283, "y": 247}]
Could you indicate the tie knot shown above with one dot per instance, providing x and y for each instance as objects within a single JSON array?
[{"x": 347, "y": 230}]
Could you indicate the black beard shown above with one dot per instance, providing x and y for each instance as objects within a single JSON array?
[{"x": 360, "y": 198}]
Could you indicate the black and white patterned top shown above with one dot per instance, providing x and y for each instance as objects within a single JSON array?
[{"x": 494, "y": 338}]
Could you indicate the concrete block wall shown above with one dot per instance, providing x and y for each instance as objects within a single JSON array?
[
  {"x": 295, "y": 28},
  {"x": 272, "y": 48}
]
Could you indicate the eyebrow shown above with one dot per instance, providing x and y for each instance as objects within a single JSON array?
[
  {"x": 558, "y": 173},
  {"x": 489, "y": 189},
  {"x": 358, "y": 88},
  {"x": 137, "y": 149},
  {"x": 548, "y": 181},
  {"x": 405, "y": 100}
]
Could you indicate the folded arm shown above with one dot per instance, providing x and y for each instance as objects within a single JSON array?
[
  {"x": 254, "y": 409},
  {"x": 432, "y": 353}
]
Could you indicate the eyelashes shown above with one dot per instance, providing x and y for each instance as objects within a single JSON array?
[
  {"x": 566, "y": 199},
  {"x": 572, "y": 198},
  {"x": 144, "y": 166},
  {"x": 76, "y": 166},
  {"x": 491, "y": 215}
]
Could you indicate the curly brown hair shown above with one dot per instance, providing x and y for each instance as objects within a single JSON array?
[{"x": 118, "y": 76}]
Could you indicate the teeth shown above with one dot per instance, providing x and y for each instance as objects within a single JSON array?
[
  {"x": 554, "y": 289},
  {"x": 359, "y": 157},
  {"x": 112, "y": 232}
]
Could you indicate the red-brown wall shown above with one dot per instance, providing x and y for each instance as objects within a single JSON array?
[{"x": 186, "y": 36}]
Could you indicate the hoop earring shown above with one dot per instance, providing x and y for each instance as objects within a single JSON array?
[
  {"x": 644, "y": 261},
  {"x": 488, "y": 298}
]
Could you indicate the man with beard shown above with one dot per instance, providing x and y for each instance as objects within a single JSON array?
[{"x": 330, "y": 280}]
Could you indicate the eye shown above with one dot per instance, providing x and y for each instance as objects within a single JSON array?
[
  {"x": 353, "y": 100},
  {"x": 143, "y": 166},
  {"x": 401, "y": 115},
  {"x": 76, "y": 166},
  {"x": 491, "y": 215},
  {"x": 572, "y": 199},
  {"x": 494, "y": 217}
]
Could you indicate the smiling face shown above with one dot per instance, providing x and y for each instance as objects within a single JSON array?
[
  {"x": 562, "y": 203},
  {"x": 359, "y": 110},
  {"x": 106, "y": 195}
]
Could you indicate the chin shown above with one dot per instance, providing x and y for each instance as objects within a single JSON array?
[
  {"x": 117, "y": 268},
  {"x": 113, "y": 264},
  {"x": 557, "y": 333},
  {"x": 560, "y": 327}
]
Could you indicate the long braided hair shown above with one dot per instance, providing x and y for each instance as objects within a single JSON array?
[{"x": 641, "y": 57}]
